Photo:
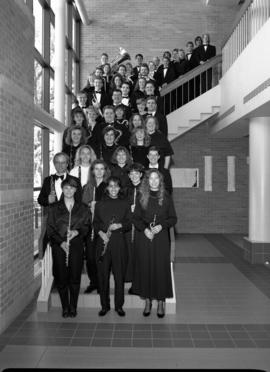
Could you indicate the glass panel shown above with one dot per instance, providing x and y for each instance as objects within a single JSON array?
[
  {"x": 52, "y": 47},
  {"x": 52, "y": 169},
  {"x": 186, "y": 177},
  {"x": 74, "y": 32},
  {"x": 73, "y": 76},
  {"x": 38, "y": 84},
  {"x": 66, "y": 67},
  {"x": 38, "y": 168},
  {"x": 51, "y": 96},
  {"x": 37, "y": 11}
]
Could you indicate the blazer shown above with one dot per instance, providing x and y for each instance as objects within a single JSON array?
[
  {"x": 203, "y": 55},
  {"x": 58, "y": 219},
  {"x": 169, "y": 77},
  {"x": 46, "y": 190},
  {"x": 104, "y": 99}
]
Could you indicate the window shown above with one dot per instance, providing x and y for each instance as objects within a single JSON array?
[
  {"x": 38, "y": 170},
  {"x": 52, "y": 96},
  {"x": 186, "y": 177},
  {"x": 37, "y": 10},
  {"x": 38, "y": 84},
  {"x": 52, "y": 43}
]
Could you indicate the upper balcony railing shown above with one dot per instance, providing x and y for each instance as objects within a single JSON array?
[
  {"x": 191, "y": 85},
  {"x": 251, "y": 17}
]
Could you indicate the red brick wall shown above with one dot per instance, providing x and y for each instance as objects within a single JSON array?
[
  {"x": 16, "y": 159},
  {"x": 150, "y": 27},
  {"x": 216, "y": 211}
]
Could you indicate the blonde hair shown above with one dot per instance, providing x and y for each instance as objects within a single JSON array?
[{"x": 78, "y": 160}]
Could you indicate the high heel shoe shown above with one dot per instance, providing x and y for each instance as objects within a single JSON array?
[
  {"x": 160, "y": 309},
  {"x": 147, "y": 309}
]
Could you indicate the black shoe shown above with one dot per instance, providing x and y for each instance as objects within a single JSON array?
[
  {"x": 130, "y": 291},
  {"x": 120, "y": 312},
  {"x": 147, "y": 310},
  {"x": 65, "y": 313},
  {"x": 160, "y": 310},
  {"x": 73, "y": 313},
  {"x": 103, "y": 311},
  {"x": 90, "y": 288}
]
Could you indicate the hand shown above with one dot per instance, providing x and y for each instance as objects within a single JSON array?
[
  {"x": 104, "y": 237},
  {"x": 132, "y": 207},
  {"x": 72, "y": 234},
  {"x": 64, "y": 246},
  {"x": 156, "y": 229},
  {"x": 115, "y": 226},
  {"x": 201, "y": 62},
  {"x": 96, "y": 104},
  {"x": 51, "y": 198},
  {"x": 148, "y": 233}
]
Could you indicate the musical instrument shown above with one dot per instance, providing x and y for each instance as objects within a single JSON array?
[
  {"x": 152, "y": 225},
  {"x": 132, "y": 226},
  {"x": 120, "y": 58},
  {"x": 108, "y": 233},
  {"x": 94, "y": 199},
  {"x": 68, "y": 233}
]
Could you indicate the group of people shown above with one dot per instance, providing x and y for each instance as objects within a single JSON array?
[
  {"x": 110, "y": 198},
  {"x": 118, "y": 222}
]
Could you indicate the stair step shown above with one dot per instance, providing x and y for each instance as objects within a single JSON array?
[
  {"x": 205, "y": 115},
  {"x": 215, "y": 109},
  {"x": 92, "y": 300},
  {"x": 193, "y": 122}
]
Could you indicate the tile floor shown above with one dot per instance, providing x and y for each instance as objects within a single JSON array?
[{"x": 222, "y": 321}]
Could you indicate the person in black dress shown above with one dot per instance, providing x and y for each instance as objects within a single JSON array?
[
  {"x": 112, "y": 219},
  {"x": 121, "y": 161},
  {"x": 107, "y": 146},
  {"x": 154, "y": 214},
  {"x": 135, "y": 173},
  {"x": 160, "y": 141},
  {"x": 94, "y": 191},
  {"x": 75, "y": 138},
  {"x": 51, "y": 193},
  {"x": 139, "y": 145},
  {"x": 68, "y": 224}
]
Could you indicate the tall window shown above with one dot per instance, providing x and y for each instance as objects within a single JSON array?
[{"x": 44, "y": 64}]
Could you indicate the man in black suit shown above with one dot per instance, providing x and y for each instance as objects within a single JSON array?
[
  {"x": 98, "y": 98},
  {"x": 205, "y": 52},
  {"x": 51, "y": 191},
  {"x": 150, "y": 90},
  {"x": 153, "y": 157},
  {"x": 191, "y": 55},
  {"x": 137, "y": 68},
  {"x": 165, "y": 73},
  {"x": 151, "y": 104}
]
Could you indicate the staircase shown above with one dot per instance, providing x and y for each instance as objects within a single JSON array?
[{"x": 197, "y": 111}]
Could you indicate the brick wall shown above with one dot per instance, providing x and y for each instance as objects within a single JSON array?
[
  {"x": 150, "y": 27},
  {"x": 216, "y": 211},
  {"x": 16, "y": 159}
]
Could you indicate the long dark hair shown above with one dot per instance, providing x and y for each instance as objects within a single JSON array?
[{"x": 145, "y": 188}]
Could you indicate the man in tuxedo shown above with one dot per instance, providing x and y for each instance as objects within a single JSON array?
[
  {"x": 117, "y": 101},
  {"x": 151, "y": 91},
  {"x": 153, "y": 157},
  {"x": 151, "y": 104},
  {"x": 137, "y": 68},
  {"x": 190, "y": 55},
  {"x": 205, "y": 52},
  {"x": 51, "y": 191},
  {"x": 98, "y": 98},
  {"x": 165, "y": 73}
]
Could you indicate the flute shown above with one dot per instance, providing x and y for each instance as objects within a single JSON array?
[
  {"x": 94, "y": 197},
  {"x": 68, "y": 235},
  {"x": 108, "y": 233},
  {"x": 133, "y": 227},
  {"x": 152, "y": 225}
]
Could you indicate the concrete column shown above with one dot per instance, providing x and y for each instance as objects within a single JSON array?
[
  {"x": 259, "y": 179},
  {"x": 59, "y": 72}
]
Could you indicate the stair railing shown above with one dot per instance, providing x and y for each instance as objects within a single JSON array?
[
  {"x": 191, "y": 85},
  {"x": 251, "y": 17}
]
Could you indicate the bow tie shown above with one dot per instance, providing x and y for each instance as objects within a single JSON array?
[
  {"x": 98, "y": 91},
  {"x": 56, "y": 177}
]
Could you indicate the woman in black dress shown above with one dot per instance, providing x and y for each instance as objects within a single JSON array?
[
  {"x": 75, "y": 138},
  {"x": 139, "y": 146},
  {"x": 153, "y": 216},
  {"x": 68, "y": 223},
  {"x": 112, "y": 219},
  {"x": 94, "y": 191},
  {"x": 121, "y": 161}
]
